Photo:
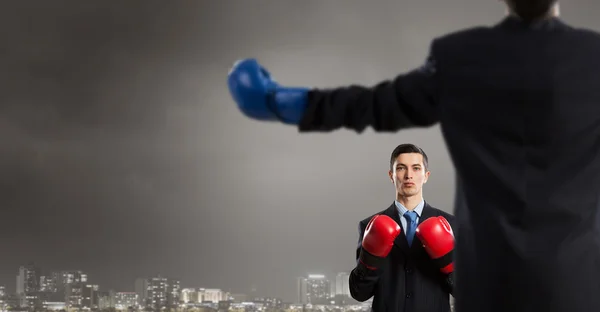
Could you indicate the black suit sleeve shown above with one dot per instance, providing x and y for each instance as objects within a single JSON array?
[
  {"x": 362, "y": 280},
  {"x": 448, "y": 279},
  {"x": 409, "y": 100},
  {"x": 449, "y": 283}
]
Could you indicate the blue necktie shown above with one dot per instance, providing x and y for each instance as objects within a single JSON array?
[{"x": 411, "y": 225}]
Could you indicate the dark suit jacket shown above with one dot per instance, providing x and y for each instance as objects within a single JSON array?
[
  {"x": 519, "y": 108},
  {"x": 408, "y": 280}
]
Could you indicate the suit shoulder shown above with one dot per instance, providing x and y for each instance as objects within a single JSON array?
[
  {"x": 439, "y": 212},
  {"x": 366, "y": 220},
  {"x": 448, "y": 216},
  {"x": 463, "y": 33},
  {"x": 586, "y": 32},
  {"x": 584, "y": 42}
]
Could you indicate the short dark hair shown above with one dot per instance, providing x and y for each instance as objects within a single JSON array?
[
  {"x": 408, "y": 148},
  {"x": 530, "y": 10}
]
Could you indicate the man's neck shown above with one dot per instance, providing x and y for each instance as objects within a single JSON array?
[
  {"x": 554, "y": 11},
  {"x": 409, "y": 202}
]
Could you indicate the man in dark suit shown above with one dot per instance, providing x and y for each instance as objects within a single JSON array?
[
  {"x": 519, "y": 108},
  {"x": 408, "y": 278}
]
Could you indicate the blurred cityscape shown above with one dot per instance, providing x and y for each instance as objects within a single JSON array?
[{"x": 71, "y": 291}]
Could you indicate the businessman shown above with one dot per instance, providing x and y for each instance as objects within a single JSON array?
[
  {"x": 404, "y": 254},
  {"x": 519, "y": 108}
]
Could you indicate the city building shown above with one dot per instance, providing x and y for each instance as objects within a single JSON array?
[
  {"x": 158, "y": 292},
  {"x": 314, "y": 289}
]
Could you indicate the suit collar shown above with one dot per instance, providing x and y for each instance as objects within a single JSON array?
[
  {"x": 392, "y": 212},
  {"x": 402, "y": 210},
  {"x": 513, "y": 22},
  {"x": 426, "y": 212}
]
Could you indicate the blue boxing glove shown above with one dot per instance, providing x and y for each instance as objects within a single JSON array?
[{"x": 259, "y": 97}]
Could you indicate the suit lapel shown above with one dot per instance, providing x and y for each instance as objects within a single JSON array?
[
  {"x": 427, "y": 213},
  {"x": 400, "y": 240}
]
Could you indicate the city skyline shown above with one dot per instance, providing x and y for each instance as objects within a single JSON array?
[
  {"x": 11, "y": 287},
  {"x": 315, "y": 288}
]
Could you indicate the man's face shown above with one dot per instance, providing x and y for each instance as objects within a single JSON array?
[{"x": 409, "y": 174}]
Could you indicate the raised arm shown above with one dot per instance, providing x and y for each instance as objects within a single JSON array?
[{"x": 408, "y": 100}]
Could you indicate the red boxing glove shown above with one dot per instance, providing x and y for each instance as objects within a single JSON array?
[
  {"x": 438, "y": 240},
  {"x": 378, "y": 240}
]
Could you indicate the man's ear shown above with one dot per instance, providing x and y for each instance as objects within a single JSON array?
[
  {"x": 556, "y": 9},
  {"x": 391, "y": 175},
  {"x": 427, "y": 173}
]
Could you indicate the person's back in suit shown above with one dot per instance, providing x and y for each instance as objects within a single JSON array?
[
  {"x": 520, "y": 112},
  {"x": 519, "y": 107}
]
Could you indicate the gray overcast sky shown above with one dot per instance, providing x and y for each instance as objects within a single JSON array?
[{"x": 124, "y": 156}]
